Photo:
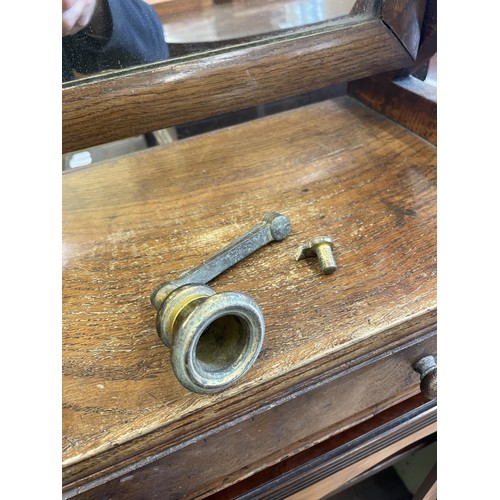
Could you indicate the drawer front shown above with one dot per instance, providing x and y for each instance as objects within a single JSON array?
[{"x": 236, "y": 450}]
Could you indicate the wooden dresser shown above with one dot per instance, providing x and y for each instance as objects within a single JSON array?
[{"x": 334, "y": 390}]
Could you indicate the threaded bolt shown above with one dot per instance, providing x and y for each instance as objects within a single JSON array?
[{"x": 320, "y": 247}]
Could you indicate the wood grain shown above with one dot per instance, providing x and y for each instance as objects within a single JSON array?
[
  {"x": 334, "y": 168},
  {"x": 319, "y": 461},
  {"x": 183, "y": 90},
  {"x": 408, "y": 100},
  {"x": 330, "y": 484},
  {"x": 404, "y": 18},
  {"x": 214, "y": 460}
]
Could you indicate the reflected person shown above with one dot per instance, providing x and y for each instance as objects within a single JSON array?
[{"x": 99, "y": 35}]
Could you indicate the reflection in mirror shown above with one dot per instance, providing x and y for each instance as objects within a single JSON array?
[
  {"x": 127, "y": 33},
  {"x": 105, "y": 34},
  {"x": 220, "y": 21}
]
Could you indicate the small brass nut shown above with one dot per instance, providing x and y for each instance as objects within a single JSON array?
[{"x": 320, "y": 247}]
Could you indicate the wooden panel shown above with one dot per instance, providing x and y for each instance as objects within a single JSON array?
[
  {"x": 181, "y": 91},
  {"x": 336, "y": 480},
  {"x": 404, "y": 17},
  {"x": 318, "y": 461},
  {"x": 215, "y": 460},
  {"x": 321, "y": 460},
  {"x": 335, "y": 168},
  {"x": 408, "y": 101}
]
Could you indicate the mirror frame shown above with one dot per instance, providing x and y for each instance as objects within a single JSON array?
[{"x": 98, "y": 110}]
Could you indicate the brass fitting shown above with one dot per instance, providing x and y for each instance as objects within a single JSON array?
[
  {"x": 320, "y": 247},
  {"x": 214, "y": 338}
]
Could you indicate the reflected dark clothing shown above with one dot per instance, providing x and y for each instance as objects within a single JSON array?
[{"x": 136, "y": 38}]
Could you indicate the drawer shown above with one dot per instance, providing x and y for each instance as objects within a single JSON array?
[
  {"x": 345, "y": 459},
  {"x": 269, "y": 434}
]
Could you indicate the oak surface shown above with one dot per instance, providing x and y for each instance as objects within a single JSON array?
[
  {"x": 162, "y": 95},
  {"x": 334, "y": 168},
  {"x": 405, "y": 18},
  {"x": 310, "y": 466},
  {"x": 320, "y": 407},
  {"x": 407, "y": 100}
]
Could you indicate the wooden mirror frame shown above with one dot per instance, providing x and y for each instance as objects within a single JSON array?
[{"x": 135, "y": 101}]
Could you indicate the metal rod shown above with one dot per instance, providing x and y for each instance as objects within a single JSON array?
[{"x": 274, "y": 227}]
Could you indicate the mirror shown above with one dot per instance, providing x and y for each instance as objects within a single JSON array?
[{"x": 158, "y": 30}]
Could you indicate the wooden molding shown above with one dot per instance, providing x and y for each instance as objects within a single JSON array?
[
  {"x": 408, "y": 101},
  {"x": 333, "y": 464},
  {"x": 318, "y": 404},
  {"x": 404, "y": 18},
  {"x": 183, "y": 90},
  {"x": 317, "y": 462},
  {"x": 365, "y": 456}
]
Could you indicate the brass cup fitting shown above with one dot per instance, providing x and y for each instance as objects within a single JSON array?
[{"x": 215, "y": 337}]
